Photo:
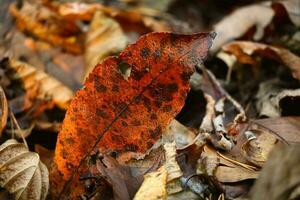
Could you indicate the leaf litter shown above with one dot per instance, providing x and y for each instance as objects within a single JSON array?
[{"x": 126, "y": 100}]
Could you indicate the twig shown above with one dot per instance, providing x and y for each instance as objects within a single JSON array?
[{"x": 19, "y": 129}]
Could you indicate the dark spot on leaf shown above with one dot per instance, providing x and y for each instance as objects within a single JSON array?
[
  {"x": 149, "y": 145},
  {"x": 185, "y": 76},
  {"x": 117, "y": 138},
  {"x": 156, "y": 132},
  {"x": 135, "y": 122},
  {"x": 138, "y": 75},
  {"x": 70, "y": 140},
  {"x": 157, "y": 53},
  {"x": 146, "y": 102},
  {"x": 100, "y": 88},
  {"x": 124, "y": 123},
  {"x": 115, "y": 88},
  {"x": 153, "y": 116},
  {"x": 145, "y": 52},
  {"x": 166, "y": 108},
  {"x": 101, "y": 113}
]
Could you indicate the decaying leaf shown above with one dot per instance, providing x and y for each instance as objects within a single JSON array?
[
  {"x": 240, "y": 21},
  {"x": 102, "y": 116},
  {"x": 22, "y": 173},
  {"x": 105, "y": 37},
  {"x": 3, "y": 110},
  {"x": 48, "y": 87},
  {"x": 154, "y": 186},
  {"x": 243, "y": 49}
]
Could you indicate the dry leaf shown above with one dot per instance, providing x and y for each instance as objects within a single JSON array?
[
  {"x": 284, "y": 128},
  {"x": 103, "y": 116},
  {"x": 227, "y": 174},
  {"x": 104, "y": 38},
  {"x": 173, "y": 169},
  {"x": 240, "y": 21},
  {"x": 22, "y": 173},
  {"x": 242, "y": 50},
  {"x": 154, "y": 186},
  {"x": 49, "y": 89},
  {"x": 120, "y": 177},
  {"x": 30, "y": 24}
]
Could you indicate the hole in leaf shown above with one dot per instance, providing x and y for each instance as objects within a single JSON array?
[{"x": 124, "y": 69}]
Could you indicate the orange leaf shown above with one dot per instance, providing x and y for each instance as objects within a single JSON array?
[{"x": 127, "y": 102}]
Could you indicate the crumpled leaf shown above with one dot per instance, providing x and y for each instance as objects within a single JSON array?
[
  {"x": 154, "y": 186},
  {"x": 104, "y": 38},
  {"x": 279, "y": 178},
  {"x": 243, "y": 49},
  {"x": 240, "y": 21},
  {"x": 48, "y": 87},
  {"x": 3, "y": 110},
  {"x": 103, "y": 116},
  {"x": 22, "y": 173}
]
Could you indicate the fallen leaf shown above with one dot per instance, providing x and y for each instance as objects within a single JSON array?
[
  {"x": 27, "y": 23},
  {"x": 258, "y": 146},
  {"x": 243, "y": 49},
  {"x": 104, "y": 38},
  {"x": 3, "y": 110},
  {"x": 48, "y": 87},
  {"x": 240, "y": 21},
  {"x": 22, "y": 173},
  {"x": 160, "y": 66},
  {"x": 227, "y": 174},
  {"x": 124, "y": 184},
  {"x": 154, "y": 186},
  {"x": 173, "y": 169},
  {"x": 285, "y": 128}
]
